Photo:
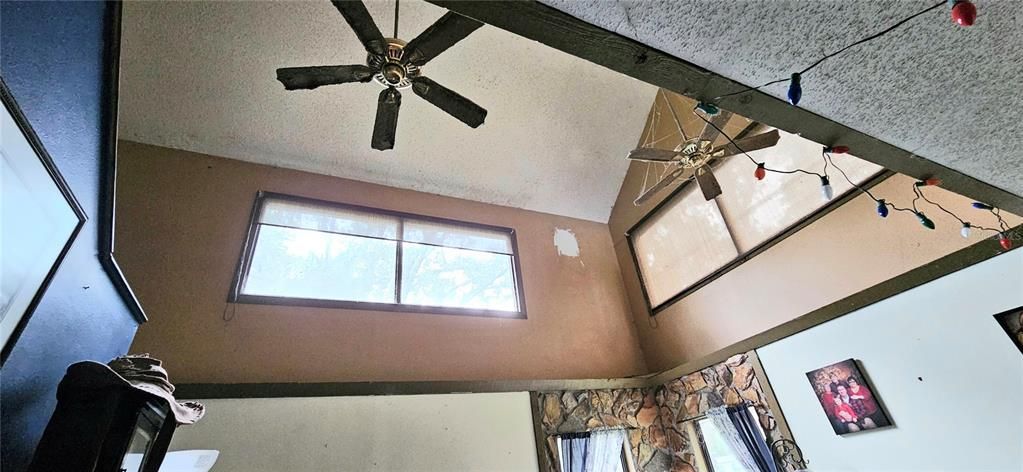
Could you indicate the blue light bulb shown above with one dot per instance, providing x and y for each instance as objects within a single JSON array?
[
  {"x": 795, "y": 89},
  {"x": 882, "y": 208},
  {"x": 982, "y": 206}
]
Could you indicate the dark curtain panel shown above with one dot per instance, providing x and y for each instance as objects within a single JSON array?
[
  {"x": 746, "y": 425},
  {"x": 573, "y": 452}
]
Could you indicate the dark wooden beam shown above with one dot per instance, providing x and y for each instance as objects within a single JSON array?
[
  {"x": 566, "y": 33},
  {"x": 341, "y": 389}
]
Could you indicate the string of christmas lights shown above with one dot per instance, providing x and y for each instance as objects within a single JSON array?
[
  {"x": 964, "y": 13},
  {"x": 883, "y": 205}
]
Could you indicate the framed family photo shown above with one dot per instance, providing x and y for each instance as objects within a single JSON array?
[
  {"x": 1012, "y": 322},
  {"x": 39, "y": 218},
  {"x": 848, "y": 400}
]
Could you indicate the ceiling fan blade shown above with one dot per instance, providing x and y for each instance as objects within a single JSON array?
[
  {"x": 387, "y": 119},
  {"x": 752, "y": 143},
  {"x": 454, "y": 104},
  {"x": 709, "y": 133},
  {"x": 652, "y": 154},
  {"x": 444, "y": 33},
  {"x": 362, "y": 23},
  {"x": 295, "y": 78},
  {"x": 708, "y": 183},
  {"x": 680, "y": 173}
]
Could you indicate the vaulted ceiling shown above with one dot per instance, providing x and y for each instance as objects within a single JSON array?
[
  {"x": 947, "y": 93},
  {"x": 200, "y": 76}
]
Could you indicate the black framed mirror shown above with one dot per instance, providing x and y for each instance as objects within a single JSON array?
[{"x": 108, "y": 173}]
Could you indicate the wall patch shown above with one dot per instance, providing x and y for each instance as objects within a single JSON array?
[{"x": 565, "y": 241}]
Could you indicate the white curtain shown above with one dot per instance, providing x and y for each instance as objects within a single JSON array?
[
  {"x": 601, "y": 451},
  {"x": 724, "y": 424}
]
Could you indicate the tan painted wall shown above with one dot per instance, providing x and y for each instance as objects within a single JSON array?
[
  {"x": 482, "y": 432},
  {"x": 181, "y": 220},
  {"x": 846, "y": 251}
]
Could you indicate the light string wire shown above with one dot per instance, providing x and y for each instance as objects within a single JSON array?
[
  {"x": 840, "y": 51},
  {"x": 1003, "y": 226},
  {"x": 754, "y": 161}
]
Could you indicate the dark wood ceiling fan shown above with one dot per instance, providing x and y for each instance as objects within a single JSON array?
[{"x": 396, "y": 65}]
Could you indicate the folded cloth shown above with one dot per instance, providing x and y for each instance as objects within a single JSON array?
[{"x": 140, "y": 372}]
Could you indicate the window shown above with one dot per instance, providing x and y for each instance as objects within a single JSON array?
[
  {"x": 717, "y": 454},
  {"x": 624, "y": 464},
  {"x": 308, "y": 252},
  {"x": 686, "y": 241}
]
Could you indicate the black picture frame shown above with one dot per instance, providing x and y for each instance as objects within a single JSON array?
[
  {"x": 108, "y": 169},
  {"x": 47, "y": 162},
  {"x": 1011, "y": 322}
]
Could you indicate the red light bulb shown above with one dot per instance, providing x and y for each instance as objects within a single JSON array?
[
  {"x": 761, "y": 172},
  {"x": 964, "y": 13},
  {"x": 1004, "y": 241},
  {"x": 929, "y": 182},
  {"x": 837, "y": 149}
]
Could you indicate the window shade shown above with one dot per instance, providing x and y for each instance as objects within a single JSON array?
[
  {"x": 758, "y": 210},
  {"x": 321, "y": 218},
  {"x": 440, "y": 234},
  {"x": 683, "y": 242}
]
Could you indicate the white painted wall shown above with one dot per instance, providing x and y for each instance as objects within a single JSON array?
[
  {"x": 964, "y": 415},
  {"x": 465, "y": 432}
]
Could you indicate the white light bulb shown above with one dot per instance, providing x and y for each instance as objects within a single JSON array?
[
  {"x": 826, "y": 189},
  {"x": 965, "y": 232}
]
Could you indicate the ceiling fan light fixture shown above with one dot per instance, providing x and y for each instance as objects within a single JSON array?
[{"x": 391, "y": 71}]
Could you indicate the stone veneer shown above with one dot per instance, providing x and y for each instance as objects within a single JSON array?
[{"x": 654, "y": 417}]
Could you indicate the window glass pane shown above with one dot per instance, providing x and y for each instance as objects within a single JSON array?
[
  {"x": 288, "y": 262},
  {"x": 441, "y": 234},
  {"x": 683, "y": 242},
  {"x": 619, "y": 466},
  {"x": 719, "y": 453},
  {"x": 758, "y": 210},
  {"x": 716, "y": 449},
  {"x": 323, "y": 218},
  {"x": 450, "y": 277}
]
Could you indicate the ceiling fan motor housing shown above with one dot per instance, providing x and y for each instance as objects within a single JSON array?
[
  {"x": 693, "y": 152},
  {"x": 391, "y": 72}
]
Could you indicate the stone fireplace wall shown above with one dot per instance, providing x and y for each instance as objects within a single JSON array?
[{"x": 654, "y": 417}]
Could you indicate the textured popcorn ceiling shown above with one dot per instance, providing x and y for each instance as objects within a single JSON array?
[
  {"x": 200, "y": 76},
  {"x": 950, "y": 94}
]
